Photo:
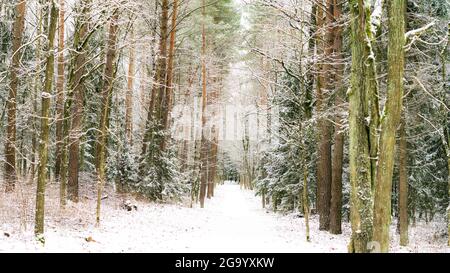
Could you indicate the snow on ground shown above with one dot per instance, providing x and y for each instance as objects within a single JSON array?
[{"x": 232, "y": 221}]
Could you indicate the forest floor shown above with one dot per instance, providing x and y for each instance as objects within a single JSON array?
[{"x": 232, "y": 221}]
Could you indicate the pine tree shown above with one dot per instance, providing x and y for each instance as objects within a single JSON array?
[{"x": 10, "y": 143}]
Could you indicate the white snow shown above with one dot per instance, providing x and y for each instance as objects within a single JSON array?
[{"x": 232, "y": 221}]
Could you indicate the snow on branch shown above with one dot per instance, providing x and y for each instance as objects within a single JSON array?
[
  {"x": 419, "y": 31},
  {"x": 413, "y": 35},
  {"x": 375, "y": 17}
]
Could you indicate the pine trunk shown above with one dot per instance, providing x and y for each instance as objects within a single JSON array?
[
  {"x": 60, "y": 104},
  {"x": 204, "y": 140},
  {"x": 169, "y": 77},
  {"x": 158, "y": 89},
  {"x": 129, "y": 94},
  {"x": 338, "y": 151},
  {"x": 324, "y": 132},
  {"x": 403, "y": 185},
  {"x": 76, "y": 86},
  {"x": 10, "y": 142},
  {"x": 106, "y": 94}
]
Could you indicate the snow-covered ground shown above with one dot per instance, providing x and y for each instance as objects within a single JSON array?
[{"x": 232, "y": 221}]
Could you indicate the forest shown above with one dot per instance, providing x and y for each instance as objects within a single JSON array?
[{"x": 225, "y": 126}]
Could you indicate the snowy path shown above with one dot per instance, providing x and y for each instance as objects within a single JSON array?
[
  {"x": 237, "y": 223},
  {"x": 232, "y": 221}
]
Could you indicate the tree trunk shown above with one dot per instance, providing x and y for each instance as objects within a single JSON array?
[
  {"x": 204, "y": 140},
  {"x": 324, "y": 132},
  {"x": 389, "y": 123},
  {"x": 60, "y": 104},
  {"x": 129, "y": 94},
  {"x": 45, "y": 128},
  {"x": 338, "y": 152},
  {"x": 361, "y": 214},
  {"x": 169, "y": 77},
  {"x": 75, "y": 132},
  {"x": 10, "y": 142},
  {"x": 403, "y": 185},
  {"x": 158, "y": 89},
  {"x": 36, "y": 92},
  {"x": 106, "y": 93}
]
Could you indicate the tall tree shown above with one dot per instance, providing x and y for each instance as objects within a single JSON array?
[
  {"x": 204, "y": 140},
  {"x": 169, "y": 77},
  {"x": 60, "y": 103},
  {"x": 108, "y": 78},
  {"x": 324, "y": 22},
  {"x": 389, "y": 123},
  {"x": 76, "y": 87},
  {"x": 130, "y": 86},
  {"x": 338, "y": 151},
  {"x": 158, "y": 88},
  {"x": 403, "y": 186},
  {"x": 10, "y": 143},
  {"x": 361, "y": 209},
  {"x": 45, "y": 128}
]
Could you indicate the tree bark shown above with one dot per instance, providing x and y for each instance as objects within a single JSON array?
[
  {"x": 60, "y": 104},
  {"x": 361, "y": 213},
  {"x": 403, "y": 185},
  {"x": 389, "y": 123},
  {"x": 106, "y": 93},
  {"x": 338, "y": 152},
  {"x": 204, "y": 140},
  {"x": 169, "y": 75},
  {"x": 10, "y": 142},
  {"x": 158, "y": 88},
  {"x": 45, "y": 128},
  {"x": 323, "y": 124},
  {"x": 129, "y": 94},
  {"x": 75, "y": 132}
]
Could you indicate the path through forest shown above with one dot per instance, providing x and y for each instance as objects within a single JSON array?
[
  {"x": 232, "y": 221},
  {"x": 237, "y": 223}
]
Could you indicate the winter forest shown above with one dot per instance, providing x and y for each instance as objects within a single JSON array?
[{"x": 225, "y": 126}]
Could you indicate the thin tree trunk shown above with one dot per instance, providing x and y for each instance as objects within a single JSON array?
[
  {"x": 204, "y": 141},
  {"x": 129, "y": 94},
  {"x": 60, "y": 104},
  {"x": 45, "y": 128},
  {"x": 108, "y": 85},
  {"x": 169, "y": 77},
  {"x": 36, "y": 91},
  {"x": 305, "y": 200},
  {"x": 10, "y": 142},
  {"x": 389, "y": 124},
  {"x": 403, "y": 185}
]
